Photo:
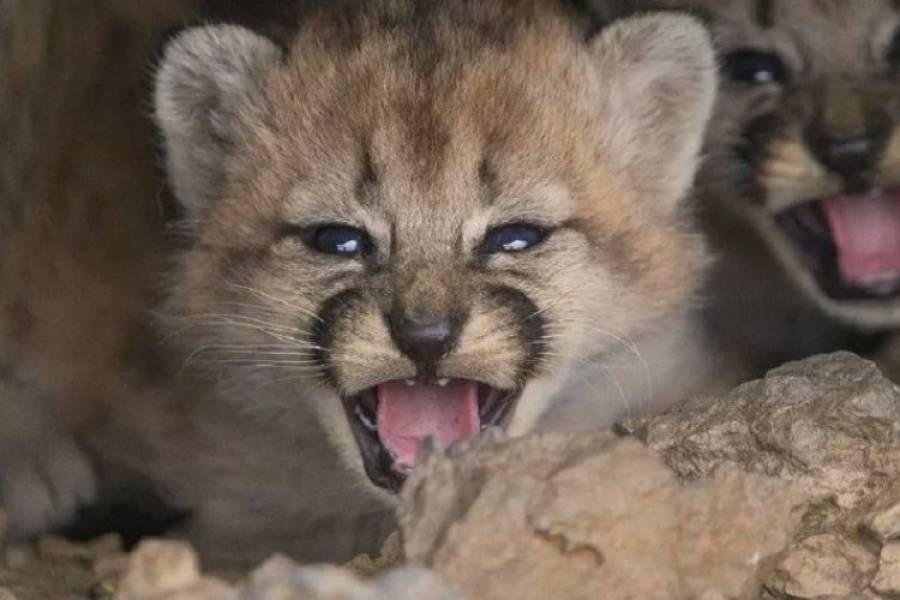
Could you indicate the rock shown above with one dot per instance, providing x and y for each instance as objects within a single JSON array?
[
  {"x": 391, "y": 555},
  {"x": 824, "y": 566},
  {"x": 18, "y": 556},
  {"x": 831, "y": 424},
  {"x": 2, "y": 527},
  {"x": 169, "y": 570},
  {"x": 315, "y": 583},
  {"x": 166, "y": 569},
  {"x": 111, "y": 568},
  {"x": 883, "y": 520},
  {"x": 27, "y": 575},
  {"x": 56, "y": 549},
  {"x": 412, "y": 583},
  {"x": 867, "y": 595},
  {"x": 589, "y": 516},
  {"x": 159, "y": 567},
  {"x": 887, "y": 579},
  {"x": 107, "y": 546},
  {"x": 205, "y": 589},
  {"x": 281, "y": 579},
  {"x": 103, "y": 590},
  {"x": 787, "y": 488},
  {"x": 5, "y": 594}
]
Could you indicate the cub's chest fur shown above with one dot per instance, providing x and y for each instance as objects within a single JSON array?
[{"x": 419, "y": 219}]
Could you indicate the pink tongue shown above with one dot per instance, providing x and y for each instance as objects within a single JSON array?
[
  {"x": 409, "y": 414},
  {"x": 866, "y": 233}
]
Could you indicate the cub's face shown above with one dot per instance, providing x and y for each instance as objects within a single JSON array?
[
  {"x": 417, "y": 222},
  {"x": 806, "y": 132}
]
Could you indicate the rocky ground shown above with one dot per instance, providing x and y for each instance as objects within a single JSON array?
[{"x": 788, "y": 488}]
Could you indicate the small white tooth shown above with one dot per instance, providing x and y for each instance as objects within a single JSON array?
[
  {"x": 443, "y": 382},
  {"x": 366, "y": 421},
  {"x": 411, "y": 382}
]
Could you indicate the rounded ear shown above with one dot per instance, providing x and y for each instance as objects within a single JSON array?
[
  {"x": 659, "y": 74},
  {"x": 204, "y": 75}
]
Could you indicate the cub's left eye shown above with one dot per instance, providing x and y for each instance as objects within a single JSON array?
[
  {"x": 512, "y": 238},
  {"x": 755, "y": 67},
  {"x": 340, "y": 240}
]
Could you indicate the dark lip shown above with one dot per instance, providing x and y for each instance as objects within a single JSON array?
[
  {"x": 806, "y": 226},
  {"x": 495, "y": 408}
]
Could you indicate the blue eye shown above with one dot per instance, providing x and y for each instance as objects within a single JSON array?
[
  {"x": 341, "y": 240},
  {"x": 754, "y": 67},
  {"x": 512, "y": 238}
]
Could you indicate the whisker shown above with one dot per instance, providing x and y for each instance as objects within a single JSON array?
[
  {"x": 266, "y": 296},
  {"x": 255, "y": 363}
]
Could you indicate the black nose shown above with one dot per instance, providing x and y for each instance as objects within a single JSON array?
[
  {"x": 850, "y": 154},
  {"x": 425, "y": 342}
]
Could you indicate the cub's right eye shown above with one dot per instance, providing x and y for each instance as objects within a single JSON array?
[
  {"x": 754, "y": 67},
  {"x": 513, "y": 238},
  {"x": 340, "y": 240}
]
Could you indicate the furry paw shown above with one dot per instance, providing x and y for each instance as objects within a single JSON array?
[{"x": 43, "y": 484}]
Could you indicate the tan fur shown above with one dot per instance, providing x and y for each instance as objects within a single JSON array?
[
  {"x": 461, "y": 117},
  {"x": 504, "y": 114}
]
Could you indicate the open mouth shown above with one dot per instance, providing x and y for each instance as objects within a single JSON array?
[
  {"x": 392, "y": 419},
  {"x": 851, "y": 243}
]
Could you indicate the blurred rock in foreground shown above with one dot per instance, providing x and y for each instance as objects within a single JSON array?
[{"x": 787, "y": 488}]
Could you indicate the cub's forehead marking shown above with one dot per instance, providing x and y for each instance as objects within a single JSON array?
[
  {"x": 765, "y": 13},
  {"x": 489, "y": 180},
  {"x": 368, "y": 178}
]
